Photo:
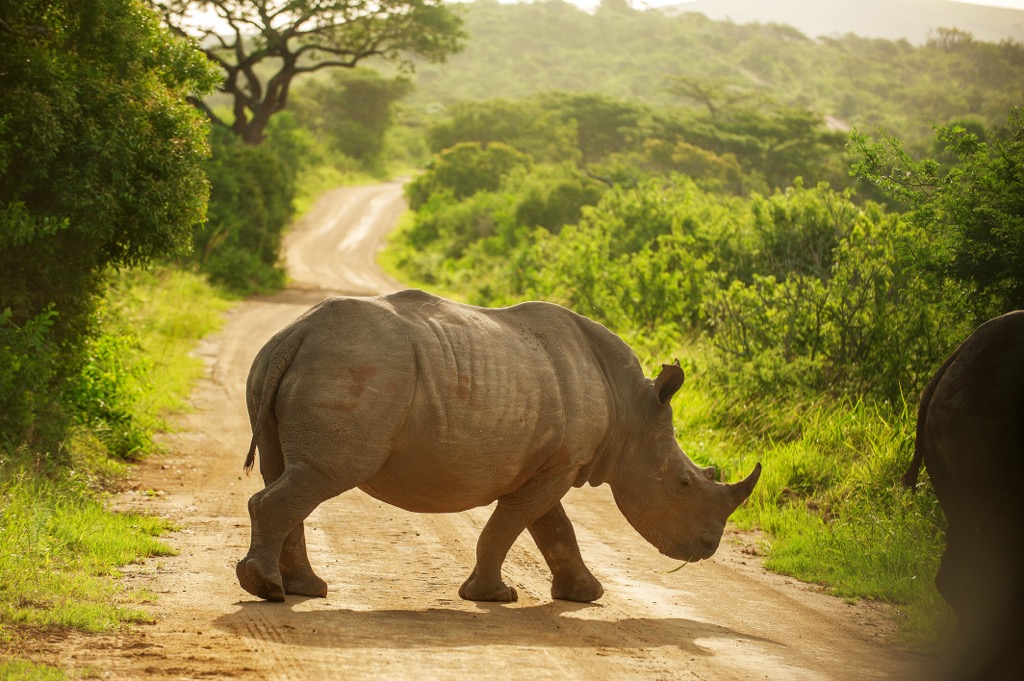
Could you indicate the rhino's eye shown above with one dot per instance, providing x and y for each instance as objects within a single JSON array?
[{"x": 685, "y": 482}]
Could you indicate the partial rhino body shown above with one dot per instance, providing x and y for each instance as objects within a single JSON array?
[
  {"x": 970, "y": 437},
  {"x": 438, "y": 407}
]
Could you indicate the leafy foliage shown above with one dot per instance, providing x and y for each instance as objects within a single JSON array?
[
  {"x": 865, "y": 320},
  {"x": 62, "y": 548},
  {"x": 352, "y": 112},
  {"x": 26, "y": 375},
  {"x": 291, "y": 38},
  {"x": 518, "y": 50},
  {"x": 973, "y": 210},
  {"x": 465, "y": 169},
  {"x": 250, "y": 206},
  {"x": 528, "y": 126},
  {"x": 100, "y": 165},
  {"x": 763, "y": 147}
]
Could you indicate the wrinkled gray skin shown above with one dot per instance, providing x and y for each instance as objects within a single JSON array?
[
  {"x": 437, "y": 407},
  {"x": 970, "y": 437}
]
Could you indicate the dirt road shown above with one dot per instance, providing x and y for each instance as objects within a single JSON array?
[{"x": 393, "y": 611}]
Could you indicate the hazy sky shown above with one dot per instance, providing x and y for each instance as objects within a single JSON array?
[{"x": 1013, "y": 4}]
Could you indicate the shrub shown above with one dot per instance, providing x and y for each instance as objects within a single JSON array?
[
  {"x": 252, "y": 189},
  {"x": 867, "y": 320},
  {"x": 465, "y": 169}
]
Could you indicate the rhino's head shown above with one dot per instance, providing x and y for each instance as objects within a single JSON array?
[{"x": 674, "y": 504}]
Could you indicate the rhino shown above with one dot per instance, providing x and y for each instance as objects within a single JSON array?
[
  {"x": 970, "y": 437},
  {"x": 438, "y": 407}
]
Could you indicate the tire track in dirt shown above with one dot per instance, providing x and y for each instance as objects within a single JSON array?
[{"x": 393, "y": 611}]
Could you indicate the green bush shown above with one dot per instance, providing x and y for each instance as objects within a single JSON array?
[
  {"x": 641, "y": 258},
  {"x": 251, "y": 204},
  {"x": 854, "y": 312},
  {"x": 27, "y": 358},
  {"x": 106, "y": 394},
  {"x": 464, "y": 170},
  {"x": 972, "y": 209},
  {"x": 100, "y": 165},
  {"x": 527, "y": 126},
  {"x": 351, "y": 113}
]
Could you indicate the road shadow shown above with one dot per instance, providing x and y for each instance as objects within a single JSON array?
[{"x": 552, "y": 624}]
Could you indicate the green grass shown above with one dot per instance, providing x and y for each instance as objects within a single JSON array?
[
  {"x": 168, "y": 310},
  {"x": 20, "y": 670},
  {"x": 829, "y": 498},
  {"x": 62, "y": 549},
  {"x": 140, "y": 368}
]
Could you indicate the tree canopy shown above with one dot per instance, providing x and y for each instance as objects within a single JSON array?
[
  {"x": 100, "y": 164},
  {"x": 262, "y": 45},
  {"x": 974, "y": 208},
  {"x": 517, "y": 50}
]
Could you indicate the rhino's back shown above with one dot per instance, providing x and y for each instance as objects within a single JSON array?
[
  {"x": 501, "y": 394},
  {"x": 470, "y": 402}
]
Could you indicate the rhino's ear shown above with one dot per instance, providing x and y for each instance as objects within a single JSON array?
[{"x": 669, "y": 381}]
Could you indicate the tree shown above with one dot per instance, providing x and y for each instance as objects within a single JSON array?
[
  {"x": 974, "y": 209},
  {"x": 353, "y": 111},
  {"x": 249, "y": 39},
  {"x": 465, "y": 169},
  {"x": 715, "y": 94},
  {"x": 527, "y": 125},
  {"x": 100, "y": 164}
]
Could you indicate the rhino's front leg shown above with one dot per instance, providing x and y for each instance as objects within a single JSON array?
[
  {"x": 571, "y": 580},
  {"x": 514, "y": 513}
]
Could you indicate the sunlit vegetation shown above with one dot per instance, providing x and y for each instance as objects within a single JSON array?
[
  {"x": 808, "y": 315},
  {"x": 62, "y": 550},
  {"x": 686, "y": 182},
  {"x": 515, "y": 51}
]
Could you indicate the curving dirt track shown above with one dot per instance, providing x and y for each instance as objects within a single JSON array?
[{"x": 393, "y": 611}]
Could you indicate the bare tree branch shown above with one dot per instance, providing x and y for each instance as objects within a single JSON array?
[{"x": 243, "y": 37}]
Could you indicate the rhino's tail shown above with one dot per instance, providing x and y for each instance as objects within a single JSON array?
[
  {"x": 909, "y": 478},
  {"x": 281, "y": 357}
]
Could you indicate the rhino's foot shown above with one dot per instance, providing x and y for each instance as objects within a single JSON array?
[
  {"x": 580, "y": 589},
  {"x": 305, "y": 585},
  {"x": 495, "y": 590},
  {"x": 254, "y": 580}
]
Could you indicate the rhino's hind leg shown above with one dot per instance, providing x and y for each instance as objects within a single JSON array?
[
  {"x": 571, "y": 580},
  {"x": 276, "y": 512},
  {"x": 296, "y": 573}
]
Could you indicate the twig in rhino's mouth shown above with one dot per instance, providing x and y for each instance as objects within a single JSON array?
[{"x": 678, "y": 567}]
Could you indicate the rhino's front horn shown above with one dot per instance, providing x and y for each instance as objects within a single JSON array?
[{"x": 739, "y": 491}]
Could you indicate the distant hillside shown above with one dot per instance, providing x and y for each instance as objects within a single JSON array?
[
  {"x": 913, "y": 20},
  {"x": 517, "y": 50}
]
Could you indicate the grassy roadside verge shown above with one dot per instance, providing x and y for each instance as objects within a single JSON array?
[
  {"x": 829, "y": 500},
  {"x": 62, "y": 549}
]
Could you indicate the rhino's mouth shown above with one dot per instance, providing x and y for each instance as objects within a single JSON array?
[
  {"x": 684, "y": 554},
  {"x": 692, "y": 552}
]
